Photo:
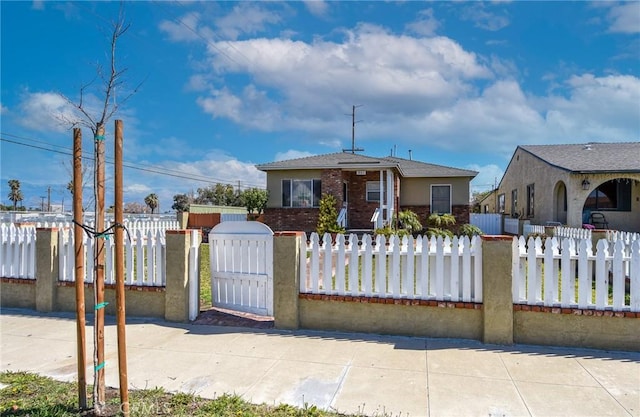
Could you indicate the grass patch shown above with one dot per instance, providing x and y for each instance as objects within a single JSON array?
[
  {"x": 205, "y": 277},
  {"x": 36, "y": 396}
]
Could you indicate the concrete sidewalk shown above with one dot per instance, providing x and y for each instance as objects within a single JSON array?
[{"x": 352, "y": 373}]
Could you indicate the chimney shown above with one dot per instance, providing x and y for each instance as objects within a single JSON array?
[{"x": 410, "y": 159}]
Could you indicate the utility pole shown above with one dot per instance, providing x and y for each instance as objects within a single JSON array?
[
  {"x": 49, "y": 199},
  {"x": 353, "y": 131}
]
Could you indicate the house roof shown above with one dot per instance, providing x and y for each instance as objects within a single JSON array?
[
  {"x": 346, "y": 160},
  {"x": 413, "y": 168},
  {"x": 590, "y": 157}
]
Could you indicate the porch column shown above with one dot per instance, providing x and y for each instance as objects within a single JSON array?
[
  {"x": 380, "y": 220},
  {"x": 390, "y": 197}
]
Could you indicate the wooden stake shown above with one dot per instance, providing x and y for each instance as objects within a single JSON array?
[
  {"x": 79, "y": 270},
  {"x": 120, "y": 295},
  {"x": 99, "y": 389}
]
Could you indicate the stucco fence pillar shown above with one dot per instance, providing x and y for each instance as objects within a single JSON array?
[
  {"x": 287, "y": 254},
  {"x": 46, "y": 269},
  {"x": 176, "y": 306},
  {"x": 496, "y": 290}
]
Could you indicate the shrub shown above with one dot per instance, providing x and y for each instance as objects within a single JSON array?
[
  {"x": 410, "y": 222},
  {"x": 328, "y": 216},
  {"x": 388, "y": 231},
  {"x": 440, "y": 225},
  {"x": 437, "y": 220},
  {"x": 469, "y": 230},
  {"x": 437, "y": 231}
]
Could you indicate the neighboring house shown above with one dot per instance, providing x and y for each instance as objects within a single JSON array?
[
  {"x": 368, "y": 190},
  {"x": 568, "y": 183},
  {"x": 487, "y": 203}
]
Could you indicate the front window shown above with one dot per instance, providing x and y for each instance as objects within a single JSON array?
[
  {"x": 441, "y": 199},
  {"x": 373, "y": 191},
  {"x": 514, "y": 203},
  {"x": 301, "y": 193},
  {"x": 501, "y": 203},
  {"x": 611, "y": 195}
]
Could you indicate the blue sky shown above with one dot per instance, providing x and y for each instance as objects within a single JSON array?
[{"x": 229, "y": 85}]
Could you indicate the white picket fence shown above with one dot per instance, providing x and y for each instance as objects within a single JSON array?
[
  {"x": 567, "y": 273},
  {"x": 145, "y": 256},
  {"x": 626, "y": 237},
  {"x": 132, "y": 225},
  {"x": 17, "y": 251},
  {"x": 528, "y": 229},
  {"x": 429, "y": 269},
  {"x": 571, "y": 232}
]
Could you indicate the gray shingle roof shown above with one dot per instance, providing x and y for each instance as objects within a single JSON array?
[
  {"x": 590, "y": 157},
  {"x": 413, "y": 168},
  {"x": 346, "y": 160}
]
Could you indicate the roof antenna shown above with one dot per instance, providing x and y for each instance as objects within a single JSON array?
[{"x": 353, "y": 131}]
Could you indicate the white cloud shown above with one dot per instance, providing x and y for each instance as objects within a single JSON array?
[
  {"x": 3, "y": 109},
  {"x": 291, "y": 154},
  {"x": 37, "y": 5},
  {"x": 318, "y": 81},
  {"x": 483, "y": 18},
  {"x": 184, "y": 29},
  {"x": 46, "y": 111},
  {"x": 317, "y": 7},
  {"x": 425, "y": 25},
  {"x": 245, "y": 19},
  {"x": 625, "y": 17},
  {"x": 136, "y": 189},
  {"x": 424, "y": 90},
  {"x": 597, "y": 108}
]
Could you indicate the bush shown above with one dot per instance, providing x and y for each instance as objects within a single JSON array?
[
  {"x": 440, "y": 225},
  {"x": 410, "y": 222},
  {"x": 328, "y": 216},
  {"x": 388, "y": 231},
  {"x": 437, "y": 220},
  {"x": 437, "y": 231},
  {"x": 469, "y": 230}
]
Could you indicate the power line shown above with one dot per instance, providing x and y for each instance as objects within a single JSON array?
[{"x": 138, "y": 166}]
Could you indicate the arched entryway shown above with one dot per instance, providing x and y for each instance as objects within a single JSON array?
[
  {"x": 612, "y": 201},
  {"x": 560, "y": 202}
]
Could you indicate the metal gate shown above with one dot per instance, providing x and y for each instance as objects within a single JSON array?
[{"x": 241, "y": 256}]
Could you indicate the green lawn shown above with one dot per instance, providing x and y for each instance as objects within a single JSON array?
[
  {"x": 205, "y": 277},
  {"x": 36, "y": 396}
]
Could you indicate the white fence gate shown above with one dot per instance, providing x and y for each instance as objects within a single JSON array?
[
  {"x": 489, "y": 223},
  {"x": 241, "y": 256}
]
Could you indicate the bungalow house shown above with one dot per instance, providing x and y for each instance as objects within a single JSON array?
[
  {"x": 369, "y": 190},
  {"x": 593, "y": 183}
]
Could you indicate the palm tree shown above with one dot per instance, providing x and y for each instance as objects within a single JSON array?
[
  {"x": 152, "y": 201},
  {"x": 15, "y": 194}
]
